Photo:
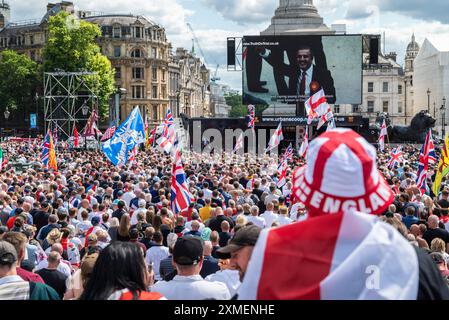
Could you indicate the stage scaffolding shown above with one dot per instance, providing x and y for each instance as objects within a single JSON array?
[{"x": 66, "y": 94}]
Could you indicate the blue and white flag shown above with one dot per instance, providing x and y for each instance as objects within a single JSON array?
[{"x": 130, "y": 133}]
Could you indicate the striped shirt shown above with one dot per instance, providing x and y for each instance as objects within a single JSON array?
[{"x": 14, "y": 288}]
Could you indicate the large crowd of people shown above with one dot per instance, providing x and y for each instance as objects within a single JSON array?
[{"x": 95, "y": 231}]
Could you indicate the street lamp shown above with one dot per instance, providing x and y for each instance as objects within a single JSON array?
[
  {"x": 443, "y": 107},
  {"x": 428, "y": 100}
]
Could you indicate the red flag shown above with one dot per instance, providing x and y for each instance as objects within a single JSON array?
[{"x": 76, "y": 136}]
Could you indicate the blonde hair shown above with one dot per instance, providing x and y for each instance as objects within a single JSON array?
[
  {"x": 241, "y": 220},
  {"x": 438, "y": 245},
  {"x": 54, "y": 236},
  {"x": 125, "y": 224}
]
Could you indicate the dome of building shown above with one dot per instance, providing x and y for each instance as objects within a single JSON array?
[{"x": 413, "y": 45}]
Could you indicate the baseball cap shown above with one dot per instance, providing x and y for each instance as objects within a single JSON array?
[
  {"x": 188, "y": 251},
  {"x": 8, "y": 254},
  {"x": 95, "y": 220},
  {"x": 246, "y": 236}
]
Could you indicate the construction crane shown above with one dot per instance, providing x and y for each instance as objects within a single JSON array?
[
  {"x": 215, "y": 78},
  {"x": 195, "y": 39}
]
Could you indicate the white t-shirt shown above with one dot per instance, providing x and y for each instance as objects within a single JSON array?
[
  {"x": 284, "y": 220},
  {"x": 269, "y": 217},
  {"x": 127, "y": 197},
  {"x": 229, "y": 277},
  {"x": 192, "y": 288},
  {"x": 207, "y": 194},
  {"x": 258, "y": 221},
  {"x": 154, "y": 256}
]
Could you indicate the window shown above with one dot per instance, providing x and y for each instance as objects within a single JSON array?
[
  {"x": 399, "y": 89},
  {"x": 138, "y": 92},
  {"x": 399, "y": 107},
  {"x": 336, "y": 109},
  {"x": 385, "y": 87},
  {"x": 154, "y": 53},
  {"x": 355, "y": 108},
  {"x": 155, "y": 113},
  {"x": 139, "y": 32},
  {"x": 370, "y": 106},
  {"x": 137, "y": 53},
  {"x": 118, "y": 72},
  {"x": 370, "y": 86},
  {"x": 117, "y": 32},
  {"x": 154, "y": 73},
  {"x": 385, "y": 105},
  {"x": 31, "y": 39},
  {"x": 138, "y": 73},
  {"x": 154, "y": 92},
  {"x": 117, "y": 51},
  {"x": 163, "y": 75}
]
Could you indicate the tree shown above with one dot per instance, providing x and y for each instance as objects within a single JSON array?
[
  {"x": 71, "y": 47},
  {"x": 19, "y": 78},
  {"x": 238, "y": 109}
]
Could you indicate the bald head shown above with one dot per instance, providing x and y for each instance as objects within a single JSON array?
[
  {"x": 225, "y": 226},
  {"x": 207, "y": 248},
  {"x": 195, "y": 225},
  {"x": 57, "y": 247}
]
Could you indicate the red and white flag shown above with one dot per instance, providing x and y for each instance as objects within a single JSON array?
[
  {"x": 305, "y": 145},
  {"x": 132, "y": 156},
  {"x": 166, "y": 143},
  {"x": 275, "y": 139},
  {"x": 108, "y": 133},
  {"x": 239, "y": 143},
  {"x": 316, "y": 106},
  {"x": 252, "y": 116},
  {"x": 345, "y": 256},
  {"x": 76, "y": 137},
  {"x": 282, "y": 172},
  {"x": 383, "y": 134},
  {"x": 152, "y": 136}
]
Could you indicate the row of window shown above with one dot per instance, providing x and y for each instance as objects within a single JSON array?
[
  {"x": 153, "y": 110},
  {"x": 134, "y": 32},
  {"x": 139, "y": 73},
  {"x": 138, "y": 53},
  {"x": 138, "y": 92},
  {"x": 385, "y": 87},
  {"x": 370, "y": 107}
]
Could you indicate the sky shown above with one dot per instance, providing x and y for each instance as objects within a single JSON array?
[{"x": 215, "y": 20}]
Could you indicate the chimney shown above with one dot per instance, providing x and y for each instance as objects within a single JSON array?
[{"x": 392, "y": 56}]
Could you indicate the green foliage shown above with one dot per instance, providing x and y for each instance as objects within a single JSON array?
[
  {"x": 19, "y": 78},
  {"x": 238, "y": 109},
  {"x": 71, "y": 47}
]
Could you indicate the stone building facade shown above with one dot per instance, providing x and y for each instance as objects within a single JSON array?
[{"x": 139, "y": 51}]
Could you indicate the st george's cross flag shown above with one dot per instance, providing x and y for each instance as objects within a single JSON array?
[
  {"x": 316, "y": 106},
  {"x": 239, "y": 144},
  {"x": 332, "y": 257},
  {"x": 305, "y": 145},
  {"x": 382, "y": 135},
  {"x": 426, "y": 157},
  {"x": 275, "y": 139}
]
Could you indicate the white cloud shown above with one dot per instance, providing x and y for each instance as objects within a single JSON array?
[{"x": 244, "y": 11}]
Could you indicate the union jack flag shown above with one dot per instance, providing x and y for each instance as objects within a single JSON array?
[
  {"x": 395, "y": 157},
  {"x": 46, "y": 149},
  {"x": 181, "y": 198},
  {"x": 108, "y": 133},
  {"x": 288, "y": 155},
  {"x": 426, "y": 157},
  {"x": 252, "y": 116},
  {"x": 168, "y": 122}
]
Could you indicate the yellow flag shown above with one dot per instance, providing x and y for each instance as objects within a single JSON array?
[
  {"x": 52, "y": 162},
  {"x": 443, "y": 167}
]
